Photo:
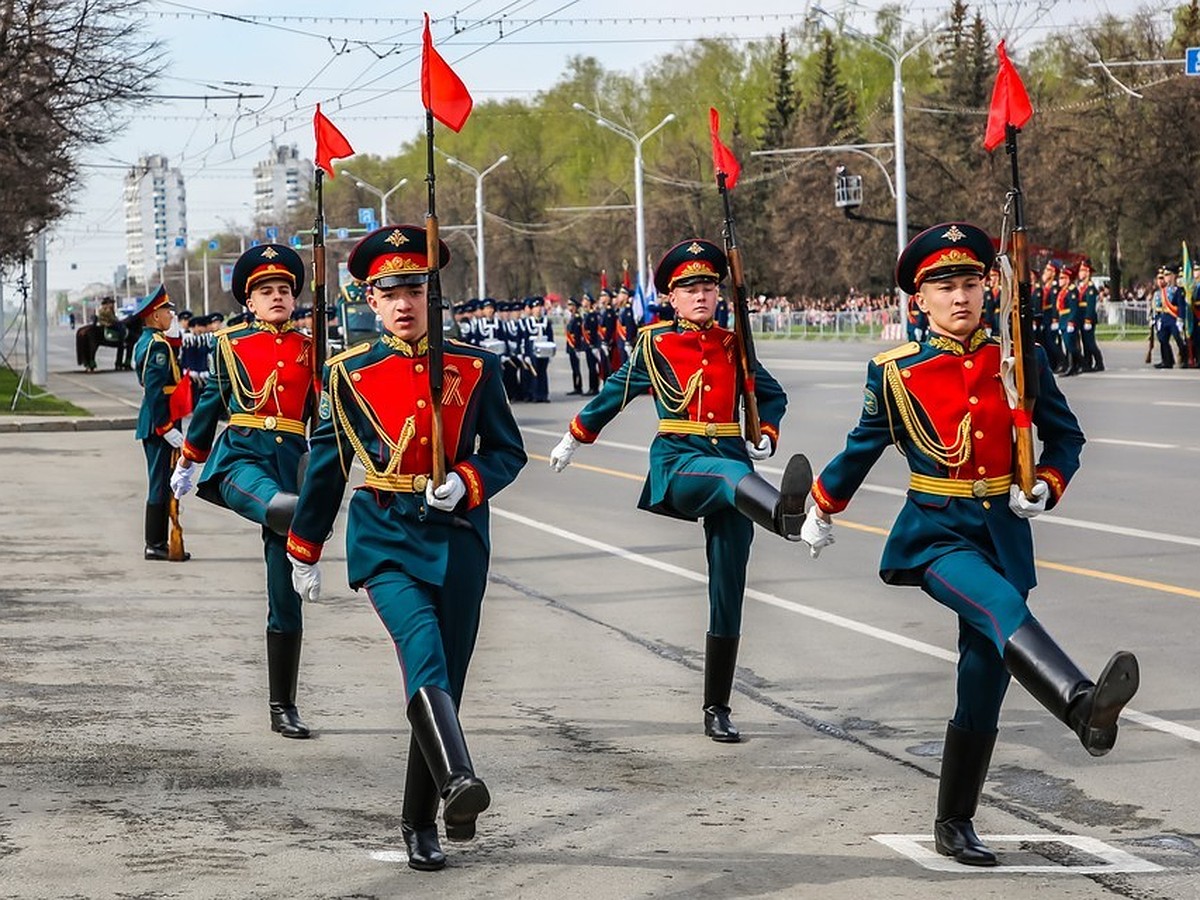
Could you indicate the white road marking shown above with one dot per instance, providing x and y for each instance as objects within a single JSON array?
[
  {"x": 1114, "y": 860},
  {"x": 1047, "y": 518},
  {"x": 820, "y": 615},
  {"x": 1147, "y": 444},
  {"x": 1188, "y": 403}
]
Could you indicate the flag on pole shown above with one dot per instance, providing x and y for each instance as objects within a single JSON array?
[
  {"x": 723, "y": 158},
  {"x": 625, "y": 280},
  {"x": 1188, "y": 280},
  {"x": 1010, "y": 102},
  {"x": 442, "y": 92},
  {"x": 644, "y": 300},
  {"x": 331, "y": 143},
  {"x": 604, "y": 279}
]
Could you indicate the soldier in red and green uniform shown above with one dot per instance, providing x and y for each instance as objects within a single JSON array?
[
  {"x": 419, "y": 549},
  {"x": 1087, "y": 300},
  {"x": 262, "y": 382},
  {"x": 1045, "y": 298},
  {"x": 963, "y": 534},
  {"x": 157, "y": 367},
  {"x": 700, "y": 466}
]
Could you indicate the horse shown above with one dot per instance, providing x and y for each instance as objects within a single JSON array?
[{"x": 123, "y": 336}]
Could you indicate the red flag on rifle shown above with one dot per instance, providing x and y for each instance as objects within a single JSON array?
[
  {"x": 1010, "y": 102},
  {"x": 182, "y": 401},
  {"x": 442, "y": 92},
  {"x": 331, "y": 143},
  {"x": 723, "y": 158}
]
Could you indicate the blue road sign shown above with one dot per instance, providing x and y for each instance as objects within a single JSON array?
[
  {"x": 366, "y": 215},
  {"x": 180, "y": 242},
  {"x": 272, "y": 234},
  {"x": 297, "y": 241},
  {"x": 1193, "y": 60},
  {"x": 214, "y": 245},
  {"x": 343, "y": 233}
]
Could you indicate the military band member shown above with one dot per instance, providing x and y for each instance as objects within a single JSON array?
[
  {"x": 1087, "y": 300},
  {"x": 539, "y": 331},
  {"x": 158, "y": 372},
  {"x": 700, "y": 466},
  {"x": 263, "y": 382},
  {"x": 963, "y": 535},
  {"x": 419, "y": 549}
]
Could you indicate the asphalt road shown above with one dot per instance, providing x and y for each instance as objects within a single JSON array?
[{"x": 135, "y": 759}]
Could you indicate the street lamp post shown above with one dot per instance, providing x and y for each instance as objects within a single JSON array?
[
  {"x": 481, "y": 280},
  {"x": 382, "y": 195},
  {"x": 638, "y": 200}
]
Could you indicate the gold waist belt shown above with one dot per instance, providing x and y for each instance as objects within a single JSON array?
[
  {"x": 170, "y": 389},
  {"x": 708, "y": 429},
  {"x": 956, "y": 487},
  {"x": 268, "y": 423},
  {"x": 401, "y": 484}
]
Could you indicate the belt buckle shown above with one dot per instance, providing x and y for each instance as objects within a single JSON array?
[
  {"x": 270, "y": 422},
  {"x": 418, "y": 483},
  {"x": 711, "y": 429},
  {"x": 979, "y": 488}
]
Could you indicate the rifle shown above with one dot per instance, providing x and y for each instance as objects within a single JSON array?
[
  {"x": 175, "y": 552},
  {"x": 434, "y": 305},
  {"x": 747, "y": 358},
  {"x": 1023, "y": 387},
  {"x": 320, "y": 326}
]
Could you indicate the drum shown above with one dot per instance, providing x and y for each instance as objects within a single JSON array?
[
  {"x": 493, "y": 345},
  {"x": 544, "y": 349}
]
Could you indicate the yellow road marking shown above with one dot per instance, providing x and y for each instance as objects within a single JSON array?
[{"x": 872, "y": 529}]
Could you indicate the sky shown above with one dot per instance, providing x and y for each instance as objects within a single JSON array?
[{"x": 363, "y": 69}]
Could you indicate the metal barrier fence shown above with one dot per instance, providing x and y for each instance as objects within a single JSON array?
[{"x": 1118, "y": 321}]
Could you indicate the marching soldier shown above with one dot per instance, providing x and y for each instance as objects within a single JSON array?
[
  {"x": 963, "y": 535},
  {"x": 991, "y": 303},
  {"x": 626, "y": 329},
  {"x": 158, "y": 372},
  {"x": 419, "y": 549},
  {"x": 575, "y": 345},
  {"x": 1087, "y": 299},
  {"x": 1047, "y": 298},
  {"x": 262, "y": 380},
  {"x": 1168, "y": 304},
  {"x": 1067, "y": 307},
  {"x": 591, "y": 343},
  {"x": 688, "y": 365}
]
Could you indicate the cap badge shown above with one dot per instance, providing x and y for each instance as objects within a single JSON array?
[
  {"x": 270, "y": 253},
  {"x": 954, "y": 235},
  {"x": 695, "y": 248},
  {"x": 397, "y": 238}
]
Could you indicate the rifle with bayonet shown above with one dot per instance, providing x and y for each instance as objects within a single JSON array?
[{"x": 747, "y": 358}]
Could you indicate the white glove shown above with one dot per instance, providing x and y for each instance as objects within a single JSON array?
[
  {"x": 1087, "y": 326},
  {"x": 816, "y": 532},
  {"x": 306, "y": 579},
  {"x": 445, "y": 496},
  {"x": 560, "y": 456},
  {"x": 1023, "y": 506},
  {"x": 762, "y": 450},
  {"x": 183, "y": 477},
  {"x": 174, "y": 437}
]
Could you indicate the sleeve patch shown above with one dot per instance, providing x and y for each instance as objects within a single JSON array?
[{"x": 870, "y": 402}]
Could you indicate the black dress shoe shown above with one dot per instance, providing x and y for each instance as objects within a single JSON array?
[
  {"x": 718, "y": 726},
  {"x": 161, "y": 554},
  {"x": 424, "y": 852},
  {"x": 957, "y": 838},
  {"x": 465, "y": 798},
  {"x": 286, "y": 721}
]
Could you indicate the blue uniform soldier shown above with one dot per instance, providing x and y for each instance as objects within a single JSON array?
[
  {"x": 157, "y": 367},
  {"x": 419, "y": 549},
  {"x": 539, "y": 332},
  {"x": 700, "y": 467},
  {"x": 1169, "y": 306},
  {"x": 1087, "y": 300},
  {"x": 262, "y": 380},
  {"x": 963, "y": 535},
  {"x": 575, "y": 345}
]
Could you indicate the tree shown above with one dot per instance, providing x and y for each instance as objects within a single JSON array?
[
  {"x": 69, "y": 70},
  {"x": 831, "y": 109},
  {"x": 784, "y": 102}
]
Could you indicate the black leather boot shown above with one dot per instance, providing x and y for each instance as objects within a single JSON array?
[
  {"x": 418, "y": 816},
  {"x": 965, "y": 759},
  {"x": 1088, "y": 708},
  {"x": 283, "y": 671},
  {"x": 720, "y": 663},
  {"x": 156, "y": 531},
  {"x": 780, "y": 511},
  {"x": 280, "y": 510},
  {"x": 435, "y": 725}
]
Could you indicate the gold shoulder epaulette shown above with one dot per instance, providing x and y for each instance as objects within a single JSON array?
[
  {"x": 232, "y": 328},
  {"x": 897, "y": 353},
  {"x": 349, "y": 354},
  {"x": 663, "y": 323}
]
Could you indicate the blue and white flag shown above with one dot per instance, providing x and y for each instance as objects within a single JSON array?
[{"x": 644, "y": 303}]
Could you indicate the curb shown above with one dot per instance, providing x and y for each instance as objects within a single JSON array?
[{"x": 56, "y": 424}]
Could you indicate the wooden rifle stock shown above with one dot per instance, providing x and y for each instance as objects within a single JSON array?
[
  {"x": 1025, "y": 363},
  {"x": 434, "y": 338},
  {"x": 175, "y": 551},
  {"x": 747, "y": 358}
]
